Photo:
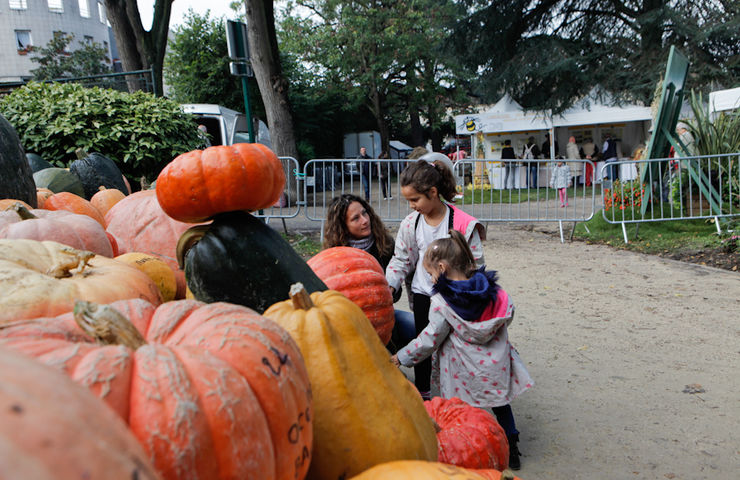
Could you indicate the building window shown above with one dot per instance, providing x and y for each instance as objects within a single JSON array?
[
  {"x": 84, "y": 9},
  {"x": 101, "y": 12},
  {"x": 23, "y": 41},
  {"x": 88, "y": 40},
  {"x": 63, "y": 35},
  {"x": 56, "y": 6},
  {"x": 18, "y": 4}
]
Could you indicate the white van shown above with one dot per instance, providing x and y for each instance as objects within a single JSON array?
[{"x": 224, "y": 125}]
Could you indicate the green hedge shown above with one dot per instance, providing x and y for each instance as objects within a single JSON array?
[{"x": 140, "y": 132}]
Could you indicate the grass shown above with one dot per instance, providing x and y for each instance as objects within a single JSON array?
[
  {"x": 305, "y": 246},
  {"x": 516, "y": 195}
]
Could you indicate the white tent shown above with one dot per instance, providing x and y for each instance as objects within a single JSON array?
[
  {"x": 599, "y": 107},
  {"x": 723, "y": 100},
  {"x": 505, "y": 116}
]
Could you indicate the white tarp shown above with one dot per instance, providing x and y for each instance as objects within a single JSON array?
[
  {"x": 505, "y": 116},
  {"x": 722, "y": 100},
  {"x": 599, "y": 107}
]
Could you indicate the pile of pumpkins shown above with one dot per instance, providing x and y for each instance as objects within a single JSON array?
[{"x": 218, "y": 351}]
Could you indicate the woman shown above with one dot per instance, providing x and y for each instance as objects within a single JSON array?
[{"x": 352, "y": 222}]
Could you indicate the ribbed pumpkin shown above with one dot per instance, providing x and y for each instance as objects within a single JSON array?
[
  {"x": 41, "y": 279},
  {"x": 77, "y": 231},
  {"x": 74, "y": 203},
  {"x": 9, "y": 203},
  {"x": 366, "y": 412},
  {"x": 41, "y": 195},
  {"x": 156, "y": 268},
  {"x": 415, "y": 469},
  {"x": 139, "y": 224},
  {"x": 469, "y": 437},
  {"x": 58, "y": 180},
  {"x": 210, "y": 390},
  {"x": 358, "y": 275},
  {"x": 105, "y": 198},
  {"x": 95, "y": 170},
  {"x": 200, "y": 184},
  {"x": 53, "y": 429}
]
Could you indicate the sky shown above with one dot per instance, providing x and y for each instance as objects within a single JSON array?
[{"x": 180, "y": 8}]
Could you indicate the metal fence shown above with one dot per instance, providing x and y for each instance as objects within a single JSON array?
[
  {"x": 289, "y": 204},
  {"x": 672, "y": 189},
  {"x": 122, "y": 81}
]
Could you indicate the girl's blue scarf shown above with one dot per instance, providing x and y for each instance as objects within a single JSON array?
[{"x": 469, "y": 298}]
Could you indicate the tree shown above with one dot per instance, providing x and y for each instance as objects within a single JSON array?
[
  {"x": 197, "y": 65},
  {"x": 550, "y": 52},
  {"x": 56, "y": 61},
  {"x": 140, "y": 49}
]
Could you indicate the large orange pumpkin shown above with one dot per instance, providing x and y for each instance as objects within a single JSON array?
[
  {"x": 77, "y": 231},
  {"x": 210, "y": 390},
  {"x": 359, "y": 277},
  {"x": 199, "y": 184},
  {"x": 416, "y": 469},
  {"x": 139, "y": 224},
  {"x": 469, "y": 437},
  {"x": 105, "y": 198},
  {"x": 51, "y": 428},
  {"x": 40, "y": 279},
  {"x": 73, "y": 203}
]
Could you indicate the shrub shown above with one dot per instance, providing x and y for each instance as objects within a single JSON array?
[
  {"x": 139, "y": 131},
  {"x": 623, "y": 195}
]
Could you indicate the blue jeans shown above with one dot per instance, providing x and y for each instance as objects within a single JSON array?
[
  {"x": 366, "y": 185},
  {"x": 532, "y": 175}
]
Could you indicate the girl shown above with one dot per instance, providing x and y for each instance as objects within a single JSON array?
[
  {"x": 425, "y": 185},
  {"x": 467, "y": 335},
  {"x": 561, "y": 180}
]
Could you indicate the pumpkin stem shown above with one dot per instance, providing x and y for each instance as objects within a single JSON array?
[
  {"x": 300, "y": 297},
  {"x": 190, "y": 237},
  {"x": 22, "y": 211},
  {"x": 437, "y": 428},
  {"x": 107, "y": 325},
  {"x": 78, "y": 261},
  {"x": 80, "y": 153},
  {"x": 507, "y": 475}
]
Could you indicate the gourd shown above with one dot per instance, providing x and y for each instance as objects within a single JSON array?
[
  {"x": 413, "y": 469},
  {"x": 96, "y": 170},
  {"x": 42, "y": 194},
  {"x": 239, "y": 259},
  {"x": 105, "y": 198},
  {"x": 358, "y": 275},
  {"x": 36, "y": 162},
  {"x": 156, "y": 268},
  {"x": 139, "y": 224},
  {"x": 211, "y": 391},
  {"x": 469, "y": 437},
  {"x": 59, "y": 180},
  {"x": 366, "y": 412},
  {"x": 42, "y": 279},
  {"x": 197, "y": 185},
  {"x": 16, "y": 180},
  {"x": 77, "y": 231},
  {"x": 74, "y": 203},
  {"x": 53, "y": 429}
]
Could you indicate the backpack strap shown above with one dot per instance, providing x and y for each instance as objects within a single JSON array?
[{"x": 449, "y": 224}]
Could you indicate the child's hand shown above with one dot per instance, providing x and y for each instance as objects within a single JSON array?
[{"x": 394, "y": 361}]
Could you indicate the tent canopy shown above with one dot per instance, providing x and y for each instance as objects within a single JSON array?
[
  {"x": 722, "y": 100},
  {"x": 600, "y": 107}
]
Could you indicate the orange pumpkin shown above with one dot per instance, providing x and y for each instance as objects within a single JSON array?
[
  {"x": 105, "y": 198},
  {"x": 7, "y": 203},
  {"x": 139, "y": 224},
  {"x": 51, "y": 428},
  {"x": 359, "y": 277},
  {"x": 41, "y": 195},
  {"x": 73, "y": 203},
  {"x": 416, "y": 469},
  {"x": 199, "y": 184},
  {"x": 39, "y": 279},
  {"x": 210, "y": 390},
  {"x": 469, "y": 437},
  {"x": 77, "y": 231}
]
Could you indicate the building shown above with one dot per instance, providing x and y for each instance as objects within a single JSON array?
[{"x": 33, "y": 23}]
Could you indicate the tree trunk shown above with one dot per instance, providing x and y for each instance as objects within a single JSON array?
[
  {"x": 273, "y": 87},
  {"x": 417, "y": 133}
]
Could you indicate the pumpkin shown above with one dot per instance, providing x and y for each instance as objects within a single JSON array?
[
  {"x": 51, "y": 428},
  {"x": 77, "y": 231},
  {"x": 139, "y": 224},
  {"x": 200, "y": 184},
  {"x": 58, "y": 180},
  {"x": 41, "y": 195},
  {"x": 156, "y": 268},
  {"x": 491, "y": 474},
  {"x": 359, "y": 276},
  {"x": 97, "y": 170},
  {"x": 415, "y": 469},
  {"x": 105, "y": 198},
  {"x": 16, "y": 180},
  {"x": 74, "y": 203},
  {"x": 41, "y": 279},
  {"x": 469, "y": 437},
  {"x": 239, "y": 259},
  {"x": 36, "y": 162},
  {"x": 211, "y": 391},
  {"x": 10, "y": 203},
  {"x": 365, "y": 411}
]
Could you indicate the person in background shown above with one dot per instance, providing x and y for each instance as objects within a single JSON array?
[
  {"x": 507, "y": 153},
  {"x": 686, "y": 139},
  {"x": 384, "y": 176},
  {"x": 531, "y": 151},
  {"x": 426, "y": 186},
  {"x": 588, "y": 151},
  {"x": 365, "y": 171},
  {"x": 204, "y": 131},
  {"x": 573, "y": 153},
  {"x": 609, "y": 153},
  {"x": 546, "y": 148},
  {"x": 468, "y": 335},
  {"x": 561, "y": 179}
]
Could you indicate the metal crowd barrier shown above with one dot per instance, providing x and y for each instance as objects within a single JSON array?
[
  {"x": 289, "y": 204},
  {"x": 672, "y": 189}
]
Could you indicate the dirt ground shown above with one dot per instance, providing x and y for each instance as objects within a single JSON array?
[{"x": 636, "y": 360}]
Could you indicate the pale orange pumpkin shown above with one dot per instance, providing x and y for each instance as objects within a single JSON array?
[
  {"x": 105, "y": 198},
  {"x": 73, "y": 203},
  {"x": 41, "y": 195},
  {"x": 7, "y": 203},
  {"x": 210, "y": 390}
]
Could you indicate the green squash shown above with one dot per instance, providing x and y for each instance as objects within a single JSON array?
[
  {"x": 36, "y": 162},
  {"x": 59, "y": 180},
  {"x": 97, "y": 170},
  {"x": 16, "y": 180},
  {"x": 238, "y": 259}
]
